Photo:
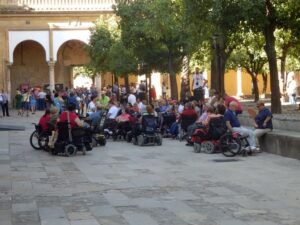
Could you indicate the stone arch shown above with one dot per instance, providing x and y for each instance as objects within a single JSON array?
[
  {"x": 29, "y": 65},
  {"x": 71, "y": 53},
  {"x": 17, "y": 37},
  {"x": 62, "y": 36}
]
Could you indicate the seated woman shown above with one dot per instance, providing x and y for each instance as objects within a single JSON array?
[
  {"x": 124, "y": 117},
  {"x": 71, "y": 116},
  {"x": 44, "y": 120},
  {"x": 213, "y": 127},
  {"x": 54, "y": 114}
]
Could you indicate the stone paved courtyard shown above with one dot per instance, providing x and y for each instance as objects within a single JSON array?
[{"x": 122, "y": 184}]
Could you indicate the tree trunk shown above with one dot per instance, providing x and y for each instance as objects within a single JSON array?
[
  {"x": 269, "y": 30},
  {"x": 265, "y": 83},
  {"x": 222, "y": 69},
  {"x": 255, "y": 87},
  {"x": 282, "y": 69},
  {"x": 149, "y": 89},
  {"x": 218, "y": 64},
  {"x": 214, "y": 80},
  {"x": 126, "y": 78},
  {"x": 185, "y": 88},
  {"x": 173, "y": 80}
]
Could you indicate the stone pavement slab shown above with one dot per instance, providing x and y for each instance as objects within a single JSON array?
[{"x": 123, "y": 184}]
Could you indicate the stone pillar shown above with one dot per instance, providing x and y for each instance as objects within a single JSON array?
[
  {"x": 51, "y": 76},
  {"x": 239, "y": 83},
  {"x": 8, "y": 81}
]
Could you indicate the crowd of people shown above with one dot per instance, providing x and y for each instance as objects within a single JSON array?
[
  {"x": 122, "y": 103},
  {"x": 121, "y": 109}
]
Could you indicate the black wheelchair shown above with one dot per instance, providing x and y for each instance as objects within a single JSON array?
[
  {"x": 39, "y": 138},
  {"x": 167, "y": 119},
  {"x": 185, "y": 122},
  {"x": 70, "y": 141},
  {"x": 147, "y": 133}
]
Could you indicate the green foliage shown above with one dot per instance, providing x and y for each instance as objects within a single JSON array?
[
  {"x": 249, "y": 54},
  {"x": 121, "y": 59},
  {"x": 101, "y": 41}
]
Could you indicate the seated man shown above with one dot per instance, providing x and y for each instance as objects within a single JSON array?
[
  {"x": 263, "y": 120},
  {"x": 233, "y": 124},
  {"x": 95, "y": 116},
  {"x": 113, "y": 111}
]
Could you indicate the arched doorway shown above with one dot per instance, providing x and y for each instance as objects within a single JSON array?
[
  {"x": 70, "y": 55},
  {"x": 29, "y": 68}
]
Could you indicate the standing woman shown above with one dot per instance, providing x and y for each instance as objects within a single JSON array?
[
  {"x": 32, "y": 102},
  {"x": 49, "y": 101},
  {"x": 18, "y": 99}
]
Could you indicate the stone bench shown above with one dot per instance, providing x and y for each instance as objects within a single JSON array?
[
  {"x": 284, "y": 139},
  {"x": 282, "y": 142}
]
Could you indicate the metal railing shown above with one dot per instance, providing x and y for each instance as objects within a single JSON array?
[{"x": 62, "y": 5}]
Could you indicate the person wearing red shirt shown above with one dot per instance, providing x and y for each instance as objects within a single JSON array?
[
  {"x": 74, "y": 119},
  {"x": 44, "y": 120},
  {"x": 228, "y": 99},
  {"x": 189, "y": 111}
]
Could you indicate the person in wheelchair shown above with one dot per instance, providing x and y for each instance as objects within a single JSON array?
[
  {"x": 212, "y": 128},
  {"x": 187, "y": 118},
  {"x": 233, "y": 125},
  {"x": 123, "y": 124},
  {"x": 146, "y": 131},
  {"x": 68, "y": 132},
  {"x": 44, "y": 120}
]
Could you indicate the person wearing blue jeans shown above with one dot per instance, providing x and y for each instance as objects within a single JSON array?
[{"x": 233, "y": 125}]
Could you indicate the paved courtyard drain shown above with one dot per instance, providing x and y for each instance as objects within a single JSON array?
[{"x": 226, "y": 160}]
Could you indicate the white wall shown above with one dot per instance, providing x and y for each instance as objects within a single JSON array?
[
  {"x": 16, "y": 37},
  {"x": 62, "y": 36}
]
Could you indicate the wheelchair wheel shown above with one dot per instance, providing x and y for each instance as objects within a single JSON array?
[
  {"x": 140, "y": 140},
  {"x": 94, "y": 142},
  {"x": 128, "y": 137},
  {"x": 230, "y": 146},
  {"x": 43, "y": 141},
  {"x": 159, "y": 140},
  {"x": 102, "y": 141},
  {"x": 197, "y": 147},
  {"x": 83, "y": 151},
  {"x": 208, "y": 147},
  {"x": 70, "y": 150},
  {"x": 34, "y": 140}
]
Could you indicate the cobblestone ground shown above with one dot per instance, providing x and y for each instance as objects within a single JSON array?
[{"x": 122, "y": 184}]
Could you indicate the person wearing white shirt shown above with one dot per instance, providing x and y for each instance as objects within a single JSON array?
[
  {"x": 198, "y": 84},
  {"x": 92, "y": 104},
  {"x": 292, "y": 91},
  {"x": 113, "y": 111},
  {"x": 131, "y": 99}
]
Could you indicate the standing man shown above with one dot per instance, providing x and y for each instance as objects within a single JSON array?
[
  {"x": 198, "y": 84},
  {"x": 115, "y": 90},
  {"x": 4, "y": 103}
]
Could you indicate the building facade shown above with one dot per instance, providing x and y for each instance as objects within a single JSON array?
[{"x": 42, "y": 40}]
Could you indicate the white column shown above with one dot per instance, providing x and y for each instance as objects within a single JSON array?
[
  {"x": 51, "y": 75},
  {"x": 8, "y": 81},
  {"x": 239, "y": 83}
]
